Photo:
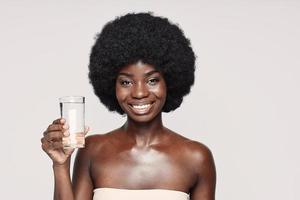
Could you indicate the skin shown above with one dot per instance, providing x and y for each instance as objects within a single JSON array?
[{"x": 142, "y": 154}]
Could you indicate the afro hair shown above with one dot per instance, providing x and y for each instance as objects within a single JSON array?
[{"x": 142, "y": 37}]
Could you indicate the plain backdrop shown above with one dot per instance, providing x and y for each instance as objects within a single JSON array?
[{"x": 244, "y": 105}]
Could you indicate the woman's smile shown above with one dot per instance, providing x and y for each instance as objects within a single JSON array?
[{"x": 141, "y": 109}]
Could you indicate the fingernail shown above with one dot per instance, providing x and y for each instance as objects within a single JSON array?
[
  {"x": 65, "y": 126},
  {"x": 66, "y": 133}
]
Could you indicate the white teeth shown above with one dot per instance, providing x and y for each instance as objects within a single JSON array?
[{"x": 141, "y": 106}]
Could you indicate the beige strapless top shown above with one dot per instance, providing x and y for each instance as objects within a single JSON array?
[{"x": 145, "y": 194}]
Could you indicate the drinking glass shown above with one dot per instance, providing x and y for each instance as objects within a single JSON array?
[{"x": 72, "y": 110}]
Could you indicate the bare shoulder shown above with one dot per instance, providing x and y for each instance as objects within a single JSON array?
[
  {"x": 198, "y": 151},
  {"x": 99, "y": 142},
  {"x": 194, "y": 151},
  {"x": 196, "y": 145},
  {"x": 200, "y": 162},
  {"x": 95, "y": 139}
]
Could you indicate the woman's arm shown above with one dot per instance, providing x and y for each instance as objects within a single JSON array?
[
  {"x": 82, "y": 187},
  {"x": 52, "y": 144},
  {"x": 82, "y": 180},
  {"x": 62, "y": 182},
  {"x": 204, "y": 188}
]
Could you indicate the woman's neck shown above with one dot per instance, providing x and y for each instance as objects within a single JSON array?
[{"x": 144, "y": 133}]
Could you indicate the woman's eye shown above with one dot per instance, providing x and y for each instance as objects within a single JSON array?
[
  {"x": 125, "y": 82},
  {"x": 153, "y": 81}
]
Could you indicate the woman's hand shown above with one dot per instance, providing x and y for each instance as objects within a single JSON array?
[{"x": 52, "y": 142}]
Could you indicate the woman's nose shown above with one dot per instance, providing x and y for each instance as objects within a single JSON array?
[{"x": 140, "y": 90}]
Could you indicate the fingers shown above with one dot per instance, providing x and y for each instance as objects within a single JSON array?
[
  {"x": 50, "y": 145},
  {"x": 59, "y": 121},
  {"x": 53, "y": 139},
  {"x": 56, "y": 137},
  {"x": 57, "y": 127},
  {"x": 68, "y": 151},
  {"x": 44, "y": 143},
  {"x": 54, "y": 134}
]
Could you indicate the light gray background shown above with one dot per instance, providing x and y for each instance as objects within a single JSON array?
[{"x": 244, "y": 104}]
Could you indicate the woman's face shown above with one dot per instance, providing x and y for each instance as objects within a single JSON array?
[{"x": 141, "y": 91}]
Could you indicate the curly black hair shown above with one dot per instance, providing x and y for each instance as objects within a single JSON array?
[{"x": 142, "y": 37}]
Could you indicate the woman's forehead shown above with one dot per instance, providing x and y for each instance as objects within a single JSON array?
[{"x": 138, "y": 68}]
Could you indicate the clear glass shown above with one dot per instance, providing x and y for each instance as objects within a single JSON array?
[{"x": 72, "y": 109}]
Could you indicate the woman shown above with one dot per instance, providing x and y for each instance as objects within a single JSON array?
[{"x": 141, "y": 65}]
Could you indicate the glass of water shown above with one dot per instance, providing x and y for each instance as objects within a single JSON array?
[{"x": 72, "y": 109}]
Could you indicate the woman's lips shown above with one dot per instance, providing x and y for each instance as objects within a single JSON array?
[{"x": 141, "y": 109}]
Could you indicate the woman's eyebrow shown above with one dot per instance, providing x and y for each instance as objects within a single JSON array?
[
  {"x": 131, "y": 75},
  {"x": 151, "y": 72},
  {"x": 125, "y": 74}
]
